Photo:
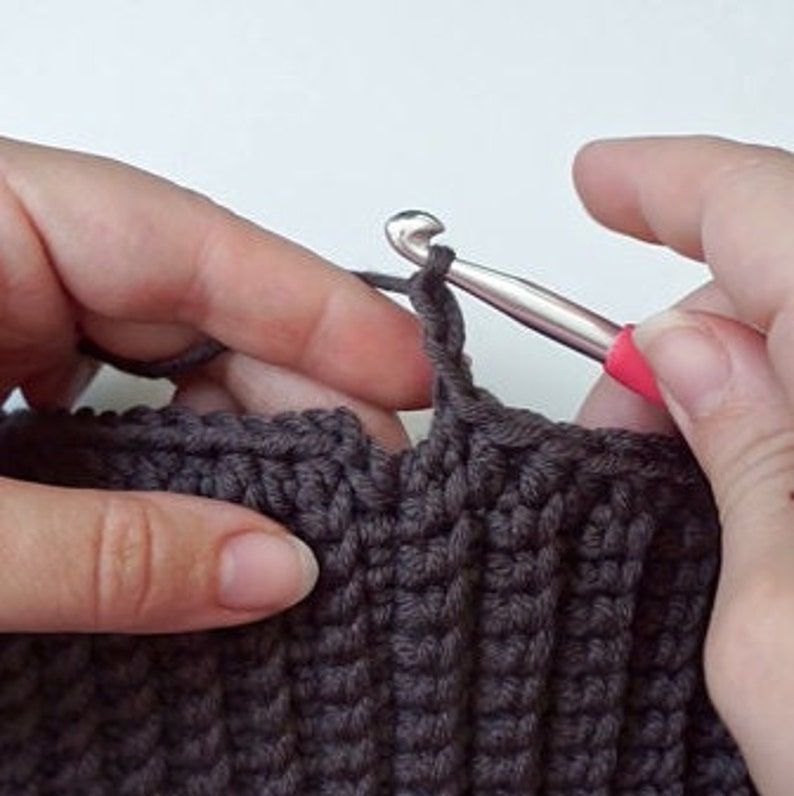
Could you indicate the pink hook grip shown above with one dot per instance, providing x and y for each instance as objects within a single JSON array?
[{"x": 627, "y": 365}]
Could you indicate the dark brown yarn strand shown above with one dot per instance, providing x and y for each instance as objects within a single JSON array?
[{"x": 512, "y": 607}]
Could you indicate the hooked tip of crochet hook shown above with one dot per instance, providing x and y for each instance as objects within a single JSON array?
[{"x": 411, "y": 232}]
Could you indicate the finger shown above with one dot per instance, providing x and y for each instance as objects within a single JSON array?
[
  {"x": 103, "y": 561},
  {"x": 62, "y": 385},
  {"x": 727, "y": 202},
  {"x": 727, "y": 401},
  {"x": 202, "y": 395},
  {"x": 267, "y": 389},
  {"x": 657, "y": 188},
  {"x": 128, "y": 247},
  {"x": 611, "y": 405}
]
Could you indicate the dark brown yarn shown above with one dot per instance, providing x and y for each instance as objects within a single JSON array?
[
  {"x": 157, "y": 369},
  {"x": 512, "y": 607}
]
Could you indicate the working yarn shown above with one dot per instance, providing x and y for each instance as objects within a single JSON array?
[{"x": 511, "y": 607}]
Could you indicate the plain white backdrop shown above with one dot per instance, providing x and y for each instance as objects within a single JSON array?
[{"x": 319, "y": 119}]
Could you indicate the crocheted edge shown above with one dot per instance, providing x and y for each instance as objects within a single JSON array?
[{"x": 455, "y": 393}]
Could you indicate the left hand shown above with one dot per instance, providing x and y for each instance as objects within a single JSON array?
[{"x": 146, "y": 269}]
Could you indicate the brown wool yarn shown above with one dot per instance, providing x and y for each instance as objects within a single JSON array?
[{"x": 512, "y": 607}]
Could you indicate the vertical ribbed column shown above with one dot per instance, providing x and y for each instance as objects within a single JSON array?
[
  {"x": 68, "y": 689},
  {"x": 194, "y": 720},
  {"x": 665, "y": 669},
  {"x": 21, "y": 710},
  {"x": 131, "y": 714},
  {"x": 600, "y": 569},
  {"x": 436, "y": 578},
  {"x": 260, "y": 713},
  {"x": 516, "y": 631},
  {"x": 331, "y": 655}
]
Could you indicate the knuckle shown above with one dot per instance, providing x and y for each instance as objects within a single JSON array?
[
  {"x": 740, "y": 179},
  {"x": 124, "y": 553},
  {"x": 751, "y": 163},
  {"x": 759, "y": 468}
]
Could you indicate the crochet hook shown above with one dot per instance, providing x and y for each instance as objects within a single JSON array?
[{"x": 410, "y": 233}]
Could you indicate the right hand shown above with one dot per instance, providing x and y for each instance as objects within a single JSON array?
[{"x": 728, "y": 382}]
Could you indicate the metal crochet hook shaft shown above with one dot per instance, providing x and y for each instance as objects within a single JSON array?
[{"x": 410, "y": 234}]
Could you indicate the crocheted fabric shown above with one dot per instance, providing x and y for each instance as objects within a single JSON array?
[{"x": 512, "y": 607}]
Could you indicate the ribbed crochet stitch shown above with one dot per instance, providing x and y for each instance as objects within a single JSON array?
[{"x": 512, "y": 607}]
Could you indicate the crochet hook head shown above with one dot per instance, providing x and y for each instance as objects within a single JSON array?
[{"x": 411, "y": 233}]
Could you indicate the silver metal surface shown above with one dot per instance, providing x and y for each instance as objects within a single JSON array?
[{"x": 410, "y": 233}]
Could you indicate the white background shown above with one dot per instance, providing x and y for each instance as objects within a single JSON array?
[{"x": 319, "y": 119}]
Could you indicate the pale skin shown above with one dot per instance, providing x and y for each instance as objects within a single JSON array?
[
  {"x": 728, "y": 380},
  {"x": 146, "y": 268}
]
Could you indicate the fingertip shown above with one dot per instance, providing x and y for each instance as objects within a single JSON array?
[
  {"x": 142, "y": 562},
  {"x": 720, "y": 387},
  {"x": 584, "y": 161},
  {"x": 690, "y": 360},
  {"x": 375, "y": 353},
  {"x": 263, "y": 572},
  {"x": 591, "y": 151},
  {"x": 610, "y": 405},
  {"x": 203, "y": 395},
  {"x": 607, "y": 191},
  {"x": 214, "y": 564},
  {"x": 601, "y": 152},
  {"x": 60, "y": 386}
]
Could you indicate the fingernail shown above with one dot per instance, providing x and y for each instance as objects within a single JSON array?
[
  {"x": 691, "y": 365},
  {"x": 265, "y": 572},
  {"x": 62, "y": 387},
  {"x": 78, "y": 380}
]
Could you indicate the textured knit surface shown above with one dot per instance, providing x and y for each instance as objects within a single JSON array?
[{"x": 512, "y": 607}]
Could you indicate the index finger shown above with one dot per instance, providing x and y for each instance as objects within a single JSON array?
[
  {"x": 727, "y": 203},
  {"x": 129, "y": 247}
]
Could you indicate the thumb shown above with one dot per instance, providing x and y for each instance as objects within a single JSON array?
[
  {"x": 719, "y": 386},
  {"x": 722, "y": 391},
  {"x": 86, "y": 560}
]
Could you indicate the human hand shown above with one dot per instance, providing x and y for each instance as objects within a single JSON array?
[
  {"x": 724, "y": 365},
  {"x": 146, "y": 269}
]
